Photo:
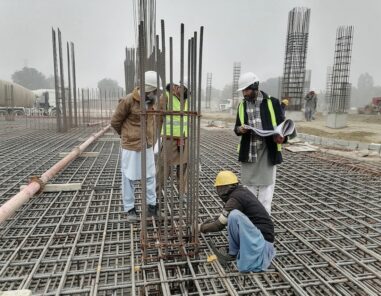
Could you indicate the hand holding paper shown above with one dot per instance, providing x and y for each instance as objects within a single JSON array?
[{"x": 284, "y": 129}]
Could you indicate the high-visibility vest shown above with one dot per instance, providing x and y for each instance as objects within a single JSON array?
[
  {"x": 241, "y": 115},
  {"x": 176, "y": 105}
]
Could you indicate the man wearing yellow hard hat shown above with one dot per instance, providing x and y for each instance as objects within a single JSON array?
[{"x": 249, "y": 225}]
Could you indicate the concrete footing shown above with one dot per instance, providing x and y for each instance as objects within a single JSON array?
[
  {"x": 336, "y": 120},
  {"x": 295, "y": 115}
]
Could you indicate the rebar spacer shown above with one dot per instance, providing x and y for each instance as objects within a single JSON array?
[{"x": 38, "y": 180}]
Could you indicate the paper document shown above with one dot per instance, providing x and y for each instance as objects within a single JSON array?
[{"x": 284, "y": 129}]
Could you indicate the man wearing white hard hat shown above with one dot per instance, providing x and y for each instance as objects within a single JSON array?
[
  {"x": 126, "y": 122},
  {"x": 175, "y": 139},
  {"x": 258, "y": 155}
]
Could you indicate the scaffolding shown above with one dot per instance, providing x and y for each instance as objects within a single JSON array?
[
  {"x": 294, "y": 72},
  {"x": 339, "y": 92}
]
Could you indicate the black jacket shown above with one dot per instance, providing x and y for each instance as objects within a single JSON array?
[
  {"x": 274, "y": 155},
  {"x": 241, "y": 198},
  {"x": 244, "y": 200}
]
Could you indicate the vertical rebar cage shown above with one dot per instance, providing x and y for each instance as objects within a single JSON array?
[
  {"x": 295, "y": 59},
  {"x": 208, "y": 92},
  {"x": 236, "y": 74},
  {"x": 339, "y": 92},
  {"x": 175, "y": 232}
]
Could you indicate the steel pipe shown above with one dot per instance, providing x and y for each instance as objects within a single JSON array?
[{"x": 36, "y": 184}]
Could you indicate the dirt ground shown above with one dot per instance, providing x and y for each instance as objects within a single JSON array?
[{"x": 362, "y": 128}]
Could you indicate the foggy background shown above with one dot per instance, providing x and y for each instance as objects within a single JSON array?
[{"x": 252, "y": 32}]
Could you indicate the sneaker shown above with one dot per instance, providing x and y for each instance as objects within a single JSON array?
[
  {"x": 222, "y": 255},
  {"x": 132, "y": 216}
]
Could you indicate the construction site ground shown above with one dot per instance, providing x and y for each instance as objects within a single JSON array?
[
  {"x": 326, "y": 210},
  {"x": 360, "y": 128}
]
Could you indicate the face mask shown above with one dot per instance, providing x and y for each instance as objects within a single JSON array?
[
  {"x": 150, "y": 98},
  {"x": 223, "y": 192}
]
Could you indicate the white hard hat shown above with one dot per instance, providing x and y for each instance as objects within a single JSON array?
[
  {"x": 246, "y": 80},
  {"x": 150, "y": 80},
  {"x": 185, "y": 82}
]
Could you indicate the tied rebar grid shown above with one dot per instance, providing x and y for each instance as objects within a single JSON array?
[
  {"x": 208, "y": 92},
  {"x": 340, "y": 90},
  {"x": 295, "y": 58},
  {"x": 79, "y": 243}
]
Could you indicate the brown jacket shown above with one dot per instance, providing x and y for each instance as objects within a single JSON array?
[{"x": 126, "y": 122}]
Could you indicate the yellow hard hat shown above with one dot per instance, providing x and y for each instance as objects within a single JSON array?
[
  {"x": 285, "y": 101},
  {"x": 225, "y": 178}
]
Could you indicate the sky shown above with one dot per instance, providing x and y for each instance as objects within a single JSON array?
[{"x": 252, "y": 32}]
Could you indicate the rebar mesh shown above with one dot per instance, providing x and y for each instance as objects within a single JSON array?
[{"x": 78, "y": 243}]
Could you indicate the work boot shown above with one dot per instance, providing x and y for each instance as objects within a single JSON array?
[
  {"x": 222, "y": 255},
  {"x": 132, "y": 217},
  {"x": 151, "y": 211}
]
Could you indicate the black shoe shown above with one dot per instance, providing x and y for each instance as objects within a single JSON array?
[
  {"x": 132, "y": 216},
  {"x": 152, "y": 211},
  {"x": 222, "y": 255}
]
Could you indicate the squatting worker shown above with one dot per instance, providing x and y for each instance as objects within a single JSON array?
[
  {"x": 126, "y": 122},
  {"x": 178, "y": 141},
  {"x": 258, "y": 156},
  {"x": 250, "y": 228}
]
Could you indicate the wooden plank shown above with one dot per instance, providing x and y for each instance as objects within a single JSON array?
[
  {"x": 84, "y": 154},
  {"x": 59, "y": 187}
]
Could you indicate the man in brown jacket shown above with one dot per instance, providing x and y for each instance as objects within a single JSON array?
[{"x": 126, "y": 122}]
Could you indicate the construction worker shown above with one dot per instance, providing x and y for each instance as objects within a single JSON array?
[
  {"x": 284, "y": 105},
  {"x": 258, "y": 156},
  {"x": 177, "y": 142},
  {"x": 250, "y": 228},
  {"x": 310, "y": 103},
  {"x": 126, "y": 122}
]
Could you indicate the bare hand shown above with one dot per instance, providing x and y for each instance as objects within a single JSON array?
[
  {"x": 243, "y": 130},
  {"x": 278, "y": 139}
]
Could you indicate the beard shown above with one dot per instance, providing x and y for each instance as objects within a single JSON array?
[{"x": 252, "y": 96}]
